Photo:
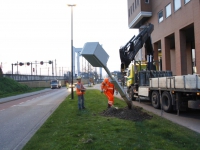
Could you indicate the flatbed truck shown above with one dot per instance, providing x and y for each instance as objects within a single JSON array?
[{"x": 163, "y": 89}]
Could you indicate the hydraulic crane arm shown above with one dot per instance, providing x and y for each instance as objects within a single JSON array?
[{"x": 128, "y": 52}]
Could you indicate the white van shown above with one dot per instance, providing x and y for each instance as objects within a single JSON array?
[{"x": 55, "y": 84}]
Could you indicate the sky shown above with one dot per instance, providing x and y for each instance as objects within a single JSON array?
[{"x": 40, "y": 30}]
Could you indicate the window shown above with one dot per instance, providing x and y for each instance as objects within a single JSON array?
[
  {"x": 146, "y": 1},
  {"x": 160, "y": 16},
  {"x": 168, "y": 10},
  {"x": 138, "y": 2},
  {"x": 133, "y": 7},
  {"x": 131, "y": 10},
  {"x": 129, "y": 13},
  {"x": 186, "y": 1},
  {"x": 135, "y": 4},
  {"x": 177, "y": 4}
]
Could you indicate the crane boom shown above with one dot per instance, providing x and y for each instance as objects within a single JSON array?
[{"x": 129, "y": 51}]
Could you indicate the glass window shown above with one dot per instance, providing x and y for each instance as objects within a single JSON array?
[
  {"x": 186, "y": 1},
  {"x": 168, "y": 10},
  {"x": 160, "y": 16},
  {"x": 128, "y": 74},
  {"x": 133, "y": 7},
  {"x": 129, "y": 12},
  {"x": 177, "y": 4},
  {"x": 135, "y": 4}
]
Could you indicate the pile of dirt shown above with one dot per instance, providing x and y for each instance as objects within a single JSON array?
[{"x": 134, "y": 114}]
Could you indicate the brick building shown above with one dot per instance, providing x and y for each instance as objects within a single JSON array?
[{"x": 176, "y": 35}]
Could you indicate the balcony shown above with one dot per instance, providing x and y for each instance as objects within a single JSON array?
[{"x": 139, "y": 11}]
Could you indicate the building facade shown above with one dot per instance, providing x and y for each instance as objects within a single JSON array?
[{"x": 176, "y": 35}]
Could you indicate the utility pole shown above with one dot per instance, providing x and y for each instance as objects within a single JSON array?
[
  {"x": 35, "y": 67},
  {"x": 82, "y": 64},
  {"x": 17, "y": 67},
  {"x": 55, "y": 68},
  {"x": 52, "y": 69},
  {"x": 72, "y": 69},
  {"x": 12, "y": 69}
]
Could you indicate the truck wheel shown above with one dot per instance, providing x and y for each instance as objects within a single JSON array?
[
  {"x": 166, "y": 102},
  {"x": 130, "y": 94},
  {"x": 155, "y": 99}
]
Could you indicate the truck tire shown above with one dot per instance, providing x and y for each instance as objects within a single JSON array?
[
  {"x": 166, "y": 101},
  {"x": 155, "y": 99},
  {"x": 131, "y": 94}
]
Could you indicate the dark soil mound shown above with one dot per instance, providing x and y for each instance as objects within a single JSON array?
[{"x": 134, "y": 114}]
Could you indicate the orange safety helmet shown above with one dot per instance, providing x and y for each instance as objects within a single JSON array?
[{"x": 106, "y": 80}]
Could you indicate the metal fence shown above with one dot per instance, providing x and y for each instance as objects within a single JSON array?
[{"x": 19, "y": 77}]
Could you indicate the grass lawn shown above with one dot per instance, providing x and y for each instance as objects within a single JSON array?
[
  {"x": 10, "y": 87},
  {"x": 21, "y": 92},
  {"x": 71, "y": 129}
]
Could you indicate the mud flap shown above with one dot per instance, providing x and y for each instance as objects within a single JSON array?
[{"x": 194, "y": 104}]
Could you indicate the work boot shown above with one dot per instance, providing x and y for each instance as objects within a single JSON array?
[{"x": 109, "y": 106}]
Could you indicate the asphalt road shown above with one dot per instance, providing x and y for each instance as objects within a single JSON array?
[{"x": 23, "y": 115}]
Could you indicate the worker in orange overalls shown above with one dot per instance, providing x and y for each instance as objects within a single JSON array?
[{"x": 108, "y": 89}]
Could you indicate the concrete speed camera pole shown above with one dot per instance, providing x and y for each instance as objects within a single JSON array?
[{"x": 97, "y": 57}]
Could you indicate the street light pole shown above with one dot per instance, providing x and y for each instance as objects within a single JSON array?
[{"x": 72, "y": 92}]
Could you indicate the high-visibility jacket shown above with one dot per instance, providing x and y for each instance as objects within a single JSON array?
[
  {"x": 106, "y": 85},
  {"x": 79, "y": 87},
  {"x": 108, "y": 89}
]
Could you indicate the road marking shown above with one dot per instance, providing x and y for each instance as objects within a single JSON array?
[{"x": 44, "y": 104}]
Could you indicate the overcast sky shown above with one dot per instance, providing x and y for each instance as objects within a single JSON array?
[{"x": 40, "y": 30}]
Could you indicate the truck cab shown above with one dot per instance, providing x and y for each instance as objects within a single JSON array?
[{"x": 130, "y": 77}]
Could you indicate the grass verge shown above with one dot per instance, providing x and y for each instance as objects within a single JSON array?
[
  {"x": 10, "y": 87},
  {"x": 68, "y": 129}
]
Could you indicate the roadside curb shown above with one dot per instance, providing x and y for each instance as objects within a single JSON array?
[{"x": 11, "y": 98}]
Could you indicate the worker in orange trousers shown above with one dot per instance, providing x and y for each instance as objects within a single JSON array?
[{"x": 108, "y": 89}]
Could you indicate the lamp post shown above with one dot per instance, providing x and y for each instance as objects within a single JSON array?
[{"x": 72, "y": 92}]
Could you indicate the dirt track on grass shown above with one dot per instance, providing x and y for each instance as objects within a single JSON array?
[{"x": 134, "y": 114}]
